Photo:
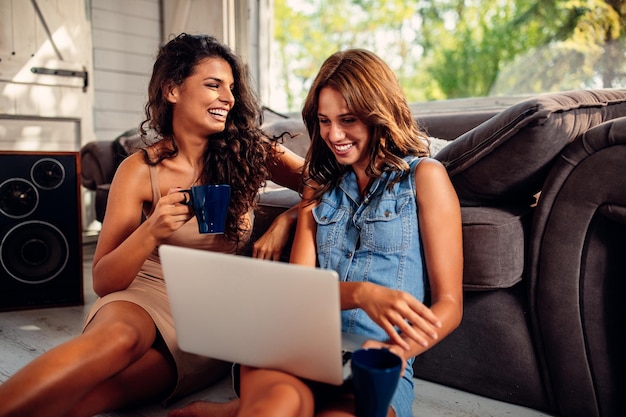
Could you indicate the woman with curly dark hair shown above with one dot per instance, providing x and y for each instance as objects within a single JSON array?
[{"x": 205, "y": 117}]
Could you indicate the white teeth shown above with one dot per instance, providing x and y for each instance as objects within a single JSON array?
[
  {"x": 218, "y": 112},
  {"x": 343, "y": 148}
]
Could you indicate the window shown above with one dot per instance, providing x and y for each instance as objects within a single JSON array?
[{"x": 444, "y": 49}]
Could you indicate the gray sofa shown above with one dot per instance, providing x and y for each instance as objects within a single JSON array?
[{"x": 542, "y": 186}]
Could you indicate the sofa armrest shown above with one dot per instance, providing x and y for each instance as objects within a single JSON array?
[
  {"x": 98, "y": 163},
  {"x": 577, "y": 268}
]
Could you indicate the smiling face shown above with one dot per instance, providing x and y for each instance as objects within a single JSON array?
[
  {"x": 346, "y": 135},
  {"x": 203, "y": 100}
]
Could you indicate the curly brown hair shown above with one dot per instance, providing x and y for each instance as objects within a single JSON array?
[{"x": 238, "y": 155}]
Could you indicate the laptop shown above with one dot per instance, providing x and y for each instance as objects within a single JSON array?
[{"x": 259, "y": 313}]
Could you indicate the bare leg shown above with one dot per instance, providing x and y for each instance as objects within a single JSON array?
[
  {"x": 207, "y": 408},
  {"x": 120, "y": 334},
  {"x": 272, "y": 393},
  {"x": 148, "y": 379},
  {"x": 269, "y": 393}
]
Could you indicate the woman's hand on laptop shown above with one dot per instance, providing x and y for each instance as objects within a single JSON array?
[{"x": 401, "y": 315}]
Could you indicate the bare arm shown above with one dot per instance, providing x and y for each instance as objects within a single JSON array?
[
  {"x": 286, "y": 172},
  {"x": 303, "y": 251},
  {"x": 124, "y": 242},
  {"x": 440, "y": 226},
  {"x": 388, "y": 308},
  {"x": 440, "y": 229}
]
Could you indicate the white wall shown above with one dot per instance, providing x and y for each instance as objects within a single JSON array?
[
  {"x": 114, "y": 42},
  {"x": 126, "y": 37},
  {"x": 49, "y": 35}
]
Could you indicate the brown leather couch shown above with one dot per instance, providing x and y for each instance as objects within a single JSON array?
[{"x": 542, "y": 186}]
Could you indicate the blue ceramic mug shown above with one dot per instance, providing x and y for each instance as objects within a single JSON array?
[
  {"x": 375, "y": 374},
  {"x": 210, "y": 204}
]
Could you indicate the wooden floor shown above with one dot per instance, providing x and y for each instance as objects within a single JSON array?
[{"x": 28, "y": 333}]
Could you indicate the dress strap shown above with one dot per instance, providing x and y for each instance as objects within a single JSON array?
[{"x": 156, "y": 190}]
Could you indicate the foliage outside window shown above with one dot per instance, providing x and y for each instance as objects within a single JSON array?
[{"x": 444, "y": 49}]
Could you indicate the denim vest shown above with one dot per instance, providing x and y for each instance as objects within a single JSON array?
[{"x": 372, "y": 240}]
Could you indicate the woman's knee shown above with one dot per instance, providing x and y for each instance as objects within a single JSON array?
[
  {"x": 279, "y": 399},
  {"x": 291, "y": 395},
  {"x": 275, "y": 393},
  {"x": 126, "y": 330}
]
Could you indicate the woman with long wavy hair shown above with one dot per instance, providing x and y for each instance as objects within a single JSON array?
[
  {"x": 383, "y": 215},
  {"x": 205, "y": 117}
]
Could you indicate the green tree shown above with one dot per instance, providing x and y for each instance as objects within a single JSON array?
[
  {"x": 516, "y": 46},
  {"x": 305, "y": 34},
  {"x": 443, "y": 49},
  {"x": 587, "y": 53}
]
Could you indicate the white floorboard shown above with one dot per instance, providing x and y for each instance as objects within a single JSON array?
[{"x": 26, "y": 334}]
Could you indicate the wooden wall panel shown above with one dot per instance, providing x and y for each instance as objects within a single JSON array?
[
  {"x": 126, "y": 37},
  {"x": 143, "y": 8},
  {"x": 121, "y": 22},
  {"x": 123, "y": 102},
  {"x": 38, "y": 36},
  {"x": 122, "y": 42},
  {"x": 125, "y": 120},
  {"x": 123, "y": 62}
]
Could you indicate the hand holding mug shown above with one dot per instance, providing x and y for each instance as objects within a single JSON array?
[{"x": 210, "y": 205}]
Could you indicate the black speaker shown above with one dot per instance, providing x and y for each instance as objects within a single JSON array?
[{"x": 40, "y": 230}]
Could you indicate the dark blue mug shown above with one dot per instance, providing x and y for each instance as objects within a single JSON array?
[
  {"x": 375, "y": 375},
  {"x": 210, "y": 204}
]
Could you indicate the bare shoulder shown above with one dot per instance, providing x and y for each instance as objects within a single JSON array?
[
  {"x": 430, "y": 168},
  {"x": 132, "y": 174},
  {"x": 133, "y": 164},
  {"x": 432, "y": 181}
]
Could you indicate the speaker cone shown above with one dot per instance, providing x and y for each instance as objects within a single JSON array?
[
  {"x": 34, "y": 252},
  {"x": 18, "y": 198},
  {"x": 48, "y": 173}
]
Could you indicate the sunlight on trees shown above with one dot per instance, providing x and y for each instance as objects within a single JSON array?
[{"x": 442, "y": 49}]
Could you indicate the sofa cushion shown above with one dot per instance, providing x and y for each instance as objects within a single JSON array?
[
  {"x": 437, "y": 144},
  {"x": 130, "y": 142},
  {"x": 452, "y": 124},
  {"x": 494, "y": 247},
  {"x": 506, "y": 158}
]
